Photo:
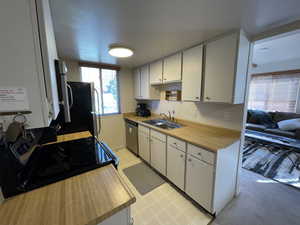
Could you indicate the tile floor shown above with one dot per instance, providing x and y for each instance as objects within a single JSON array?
[{"x": 162, "y": 206}]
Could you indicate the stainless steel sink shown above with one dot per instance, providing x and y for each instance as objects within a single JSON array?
[{"x": 164, "y": 124}]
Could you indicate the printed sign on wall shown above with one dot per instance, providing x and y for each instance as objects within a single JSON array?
[{"x": 13, "y": 99}]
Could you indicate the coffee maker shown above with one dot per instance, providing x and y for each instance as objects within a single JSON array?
[{"x": 142, "y": 110}]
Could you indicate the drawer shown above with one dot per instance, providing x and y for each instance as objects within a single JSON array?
[
  {"x": 144, "y": 130},
  {"x": 179, "y": 144},
  {"x": 201, "y": 153},
  {"x": 158, "y": 135}
]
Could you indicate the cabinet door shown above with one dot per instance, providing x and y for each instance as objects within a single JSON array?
[
  {"x": 156, "y": 72},
  {"x": 144, "y": 146},
  {"x": 175, "y": 166},
  {"x": 220, "y": 64},
  {"x": 199, "y": 181},
  {"x": 49, "y": 55},
  {"x": 192, "y": 73},
  {"x": 137, "y": 83},
  {"x": 20, "y": 58},
  {"x": 172, "y": 68},
  {"x": 144, "y": 89},
  {"x": 158, "y": 155}
]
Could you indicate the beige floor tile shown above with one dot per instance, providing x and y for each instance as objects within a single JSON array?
[{"x": 162, "y": 206}]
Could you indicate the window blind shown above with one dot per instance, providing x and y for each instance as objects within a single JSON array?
[{"x": 274, "y": 92}]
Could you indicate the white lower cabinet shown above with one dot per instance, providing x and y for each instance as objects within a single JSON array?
[
  {"x": 176, "y": 166},
  {"x": 144, "y": 146},
  {"x": 200, "y": 181},
  {"x": 158, "y": 154},
  {"x": 207, "y": 177}
]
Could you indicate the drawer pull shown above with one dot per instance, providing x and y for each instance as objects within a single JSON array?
[
  {"x": 190, "y": 160},
  {"x": 181, "y": 156},
  {"x": 199, "y": 153},
  {"x": 175, "y": 143}
]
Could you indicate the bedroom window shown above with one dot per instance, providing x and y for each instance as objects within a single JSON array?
[
  {"x": 106, "y": 83},
  {"x": 275, "y": 92}
]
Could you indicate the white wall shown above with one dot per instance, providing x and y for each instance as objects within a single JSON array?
[
  {"x": 216, "y": 114},
  {"x": 223, "y": 115},
  {"x": 113, "y": 126}
]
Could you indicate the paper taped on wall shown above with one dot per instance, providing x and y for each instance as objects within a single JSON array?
[{"x": 13, "y": 99}]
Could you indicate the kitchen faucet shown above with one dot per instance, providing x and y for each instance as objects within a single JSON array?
[
  {"x": 169, "y": 116},
  {"x": 164, "y": 116}
]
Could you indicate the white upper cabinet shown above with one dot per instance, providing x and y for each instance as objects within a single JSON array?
[
  {"x": 142, "y": 87},
  {"x": 145, "y": 82},
  {"x": 26, "y": 58},
  {"x": 172, "y": 68},
  {"x": 192, "y": 73},
  {"x": 156, "y": 72},
  {"x": 226, "y": 61},
  {"x": 137, "y": 83}
]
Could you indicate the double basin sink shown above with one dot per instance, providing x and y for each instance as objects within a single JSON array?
[{"x": 164, "y": 124}]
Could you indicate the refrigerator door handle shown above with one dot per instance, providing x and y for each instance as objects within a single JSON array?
[
  {"x": 98, "y": 116},
  {"x": 71, "y": 95},
  {"x": 65, "y": 96}
]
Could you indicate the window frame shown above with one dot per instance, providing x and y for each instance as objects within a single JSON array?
[
  {"x": 282, "y": 73},
  {"x": 101, "y": 87}
]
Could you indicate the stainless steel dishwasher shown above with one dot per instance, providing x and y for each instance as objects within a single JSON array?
[{"x": 132, "y": 136}]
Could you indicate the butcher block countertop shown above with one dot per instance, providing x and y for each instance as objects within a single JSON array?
[
  {"x": 85, "y": 199},
  {"x": 209, "y": 137},
  {"x": 71, "y": 137}
]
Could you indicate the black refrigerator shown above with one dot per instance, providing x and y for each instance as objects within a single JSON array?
[{"x": 82, "y": 110}]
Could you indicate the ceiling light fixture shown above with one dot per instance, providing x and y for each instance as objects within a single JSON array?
[{"x": 120, "y": 51}]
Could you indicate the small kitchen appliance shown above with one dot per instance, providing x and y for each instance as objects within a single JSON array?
[{"x": 142, "y": 110}]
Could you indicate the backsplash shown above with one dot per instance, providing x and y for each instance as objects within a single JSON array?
[{"x": 216, "y": 114}]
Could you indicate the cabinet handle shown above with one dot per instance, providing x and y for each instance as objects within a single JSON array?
[
  {"x": 175, "y": 143},
  {"x": 199, "y": 153},
  {"x": 208, "y": 98},
  {"x": 181, "y": 156},
  {"x": 197, "y": 97},
  {"x": 165, "y": 79},
  {"x": 190, "y": 160}
]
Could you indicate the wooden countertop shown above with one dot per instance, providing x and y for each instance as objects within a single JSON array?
[
  {"x": 71, "y": 137},
  {"x": 85, "y": 199},
  {"x": 209, "y": 137}
]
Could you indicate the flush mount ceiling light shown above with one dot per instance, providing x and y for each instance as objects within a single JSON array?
[{"x": 120, "y": 51}]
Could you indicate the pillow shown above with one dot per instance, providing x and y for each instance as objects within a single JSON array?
[
  {"x": 291, "y": 124},
  {"x": 261, "y": 118}
]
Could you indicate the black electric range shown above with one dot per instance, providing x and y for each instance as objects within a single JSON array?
[{"x": 52, "y": 163}]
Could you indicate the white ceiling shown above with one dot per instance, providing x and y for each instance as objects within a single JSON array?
[
  {"x": 154, "y": 28},
  {"x": 277, "y": 49}
]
